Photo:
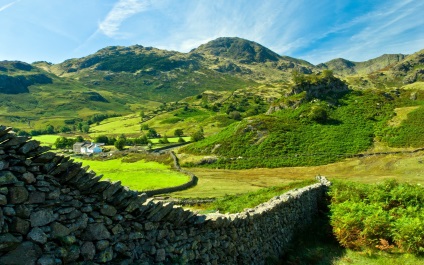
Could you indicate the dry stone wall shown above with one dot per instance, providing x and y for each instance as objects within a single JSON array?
[{"x": 53, "y": 211}]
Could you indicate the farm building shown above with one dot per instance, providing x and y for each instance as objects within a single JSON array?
[{"x": 87, "y": 148}]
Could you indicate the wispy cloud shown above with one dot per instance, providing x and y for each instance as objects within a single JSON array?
[
  {"x": 120, "y": 12},
  {"x": 2, "y": 8}
]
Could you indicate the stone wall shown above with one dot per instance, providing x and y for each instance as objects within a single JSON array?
[{"x": 53, "y": 211}]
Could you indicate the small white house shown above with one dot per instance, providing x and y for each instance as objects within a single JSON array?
[{"x": 87, "y": 148}]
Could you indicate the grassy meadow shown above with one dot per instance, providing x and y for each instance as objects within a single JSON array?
[{"x": 140, "y": 175}]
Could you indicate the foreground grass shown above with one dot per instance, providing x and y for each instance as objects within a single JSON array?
[
  {"x": 237, "y": 203},
  {"x": 139, "y": 175},
  {"x": 220, "y": 182}
]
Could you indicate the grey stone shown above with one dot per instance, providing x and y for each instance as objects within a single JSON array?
[
  {"x": 4, "y": 190},
  {"x": 96, "y": 232},
  {"x": 73, "y": 254},
  {"x": 88, "y": 250},
  {"x": 37, "y": 197},
  {"x": 26, "y": 253},
  {"x": 87, "y": 209},
  {"x": 121, "y": 247},
  {"x": 28, "y": 147},
  {"x": 102, "y": 244},
  {"x": 160, "y": 255},
  {"x": 23, "y": 211},
  {"x": 37, "y": 235},
  {"x": 59, "y": 230},
  {"x": 9, "y": 211},
  {"x": 18, "y": 195},
  {"x": 29, "y": 177},
  {"x": 3, "y": 200},
  {"x": 42, "y": 217},
  {"x": 19, "y": 169},
  {"x": 7, "y": 177},
  {"x": 46, "y": 260},
  {"x": 54, "y": 194},
  {"x": 8, "y": 242},
  {"x": 20, "y": 226},
  {"x": 3, "y": 165},
  {"x": 108, "y": 210},
  {"x": 68, "y": 240},
  {"x": 105, "y": 256}
]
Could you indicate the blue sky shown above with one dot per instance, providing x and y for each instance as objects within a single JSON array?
[{"x": 316, "y": 31}]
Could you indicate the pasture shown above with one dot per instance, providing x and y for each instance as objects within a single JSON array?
[
  {"x": 373, "y": 169},
  {"x": 139, "y": 175}
]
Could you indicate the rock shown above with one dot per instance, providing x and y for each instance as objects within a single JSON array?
[
  {"x": 3, "y": 165},
  {"x": 7, "y": 177},
  {"x": 37, "y": 235},
  {"x": 121, "y": 248},
  {"x": 8, "y": 242},
  {"x": 160, "y": 255},
  {"x": 46, "y": 260},
  {"x": 105, "y": 256},
  {"x": 3, "y": 200},
  {"x": 42, "y": 217},
  {"x": 88, "y": 250},
  {"x": 68, "y": 240},
  {"x": 96, "y": 232},
  {"x": 18, "y": 195},
  {"x": 28, "y": 147},
  {"x": 4, "y": 190},
  {"x": 29, "y": 177},
  {"x": 73, "y": 254},
  {"x": 23, "y": 211},
  {"x": 102, "y": 244},
  {"x": 108, "y": 210},
  {"x": 20, "y": 226},
  {"x": 37, "y": 197},
  {"x": 9, "y": 211},
  {"x": 59, "y": 230},
  {"x": 26, "y": 253}
]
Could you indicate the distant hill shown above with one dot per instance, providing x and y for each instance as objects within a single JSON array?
[{"x": 345, "y": 67}]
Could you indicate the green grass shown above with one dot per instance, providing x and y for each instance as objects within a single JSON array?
[
  {"x": 140, "y": 175},
  {"x": 237, "y": 203},
  {"x": 171, "y": 140},
  {"x": 47, "y": 140}
]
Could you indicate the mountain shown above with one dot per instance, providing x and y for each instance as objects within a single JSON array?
[
  {"x": 345, "y": 67},
  {"x": 246, "y": 77},
  {"x": 238, "y": 49}
]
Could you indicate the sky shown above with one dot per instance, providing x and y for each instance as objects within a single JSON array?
[{"x": 316, "y": 31}]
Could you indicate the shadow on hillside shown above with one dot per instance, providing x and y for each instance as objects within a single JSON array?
[{"x": 315, "y": 245}]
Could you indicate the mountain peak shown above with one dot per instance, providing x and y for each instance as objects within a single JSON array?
[{"x": 239, "y": 49}]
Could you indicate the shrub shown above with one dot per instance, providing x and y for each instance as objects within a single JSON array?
[{"x": 368, "y": 216}]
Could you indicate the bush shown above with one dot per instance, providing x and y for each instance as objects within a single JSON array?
[{"x": 365, "y": 216}]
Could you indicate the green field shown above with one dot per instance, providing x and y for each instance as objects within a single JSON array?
[
  {"x": 46, "y": 140},
  {"x": 140, "y": 175}
]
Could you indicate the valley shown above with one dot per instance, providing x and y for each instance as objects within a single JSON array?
[{"x": 256, "y": 123}]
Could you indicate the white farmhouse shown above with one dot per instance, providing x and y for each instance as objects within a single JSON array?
[{"x": 87, "y": 148}]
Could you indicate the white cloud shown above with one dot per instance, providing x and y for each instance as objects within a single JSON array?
[
  {"x": 120, "y": 12},
  {"x": 2, "y": 8}
]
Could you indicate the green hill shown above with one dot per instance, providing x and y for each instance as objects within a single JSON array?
[{"x": 345, "y": 67}]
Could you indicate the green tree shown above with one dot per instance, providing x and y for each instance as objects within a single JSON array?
[
  {"x": 101, "y": 139},
  {"x": 197, "y": 136},
  {"x": 120, "y": 144},
  {"x": 85, "y": 128},
  {"x": 178, "y": 132},
  {"x": 152, "y": 133},
  {"x": 49, "y": 129},
  {"x": 79, "y": 138},
  {"x": 235, "y": 115}
]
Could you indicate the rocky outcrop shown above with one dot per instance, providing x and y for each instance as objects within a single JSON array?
[{"x": 53, "y": 211}]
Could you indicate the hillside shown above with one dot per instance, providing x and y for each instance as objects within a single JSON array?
[
  {"x": 345, "y": 67},
  {"x": 225, "y": 82}
]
